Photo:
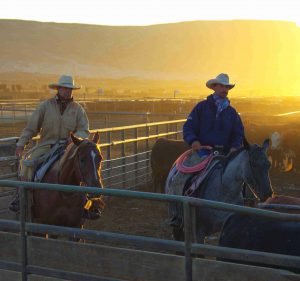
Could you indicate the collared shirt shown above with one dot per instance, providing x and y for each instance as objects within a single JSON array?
[{"x": 53, "y": 125}]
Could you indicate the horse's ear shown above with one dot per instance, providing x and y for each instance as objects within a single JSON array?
[
  {"x": 76, "y": 141},
  {"x": 246, "y": 143},
  {"x": 96, "y": 138},
  {"x": 266, "y": 144}
]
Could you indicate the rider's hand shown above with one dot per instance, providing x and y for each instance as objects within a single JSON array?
[
  {"x": 19, "y": 151},
  {"x": 196, "y": 146},
  {"x": 232, "y": 149}
]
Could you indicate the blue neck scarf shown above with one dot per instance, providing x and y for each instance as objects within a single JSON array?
[{"x": 221, "y": 103}]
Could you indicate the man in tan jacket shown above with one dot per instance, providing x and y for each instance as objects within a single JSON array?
[{"x": 54, "y": 119}]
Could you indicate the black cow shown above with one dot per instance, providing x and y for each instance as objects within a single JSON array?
[
  {"x": 163, "y": 155},
  {"x": 261, "y": 234}
]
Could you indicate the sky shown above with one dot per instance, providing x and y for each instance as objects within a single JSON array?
[{"x": 148, "y": 12}]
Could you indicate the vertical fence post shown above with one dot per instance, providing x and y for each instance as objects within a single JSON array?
[
  {"x": 23, "y": 202},
  {"x": 108, "y": 156},
  {"x": 147, "y": 155},
  {"x": 188, "y": 241},
  {"x": 176, "y": 129},
  {"x": 123, "y": 159},
  {"x": 14, "y": 112},
  {"x": 135, "y": 151},
  {"x": 105, "y": 121}
]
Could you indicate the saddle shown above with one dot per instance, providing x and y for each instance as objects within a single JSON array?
[
  {"x": 190, "y": 170},
  {"x": 187, "y": 183}
]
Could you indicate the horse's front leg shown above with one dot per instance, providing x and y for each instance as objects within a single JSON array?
[
  {"x": 200, "y": 236},
  {"x": 76, "y": 239}
]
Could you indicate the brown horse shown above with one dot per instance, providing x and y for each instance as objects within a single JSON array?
[
  {"x": 282, "y": 203},
  {"x": 80, "y": 165}
]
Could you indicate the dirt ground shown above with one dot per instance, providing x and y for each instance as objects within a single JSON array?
[{"x": 133, "y": 216}]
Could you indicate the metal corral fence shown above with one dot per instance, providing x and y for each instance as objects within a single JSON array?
[
  {"x": 30, "y": 255},
  {"x": 16, "y": 118},
  {"x": 126, "y": 152}
]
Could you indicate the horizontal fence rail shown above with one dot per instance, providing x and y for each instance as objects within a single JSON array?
[
  {"x": 126, "y": 151},
  {"x": 187, "y": 247}
]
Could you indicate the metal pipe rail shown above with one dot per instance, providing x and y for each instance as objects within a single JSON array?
[
  {"x": 137, "y": 126},
  {"x": 189, "y": 247},
  {"x": 125, "y": 157},
  {"x": 131, "y": 179},
  {"x": 129, "y": 172},
  {"x": 116, "y": 146},
  {"x": 112, "y": 129},
  {"x": 3, "y": 109},
  {"x": 133, "y": 163}
]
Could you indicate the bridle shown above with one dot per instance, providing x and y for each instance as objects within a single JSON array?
[
  {"x": 254, "y": 178},
  {"x": 79, "y": 166}
]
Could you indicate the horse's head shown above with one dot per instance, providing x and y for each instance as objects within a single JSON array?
[
  {"x": 258, "y": 172},
  {"x": 87, "y": 161}
]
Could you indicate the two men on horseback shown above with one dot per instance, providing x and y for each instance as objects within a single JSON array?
[
  {"x": 55, "y": 119},
  {"x": 214, "y": 122}
]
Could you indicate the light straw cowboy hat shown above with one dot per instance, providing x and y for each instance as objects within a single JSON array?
[
  {"x": 64, "y": 81},
  {"x": 222, "y": 79}
]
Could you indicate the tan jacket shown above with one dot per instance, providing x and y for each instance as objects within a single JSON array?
[{"x": 52, "y": 126}]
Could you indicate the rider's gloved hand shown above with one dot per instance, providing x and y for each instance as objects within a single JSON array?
[
  {"x": 19, "y": 151},
  {"x": 196, "y": 146}
]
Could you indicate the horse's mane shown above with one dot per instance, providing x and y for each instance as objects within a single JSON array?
[
  {"x": 227, "y": 159},
  {"x": 72, "y": 147}
]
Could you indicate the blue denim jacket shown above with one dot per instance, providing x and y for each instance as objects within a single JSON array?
[{"x": 203, "y": 125}]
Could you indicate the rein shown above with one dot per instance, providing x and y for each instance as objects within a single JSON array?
[
  {"x": 234, "y": 155},
  {"x": 253, "y": 177}
]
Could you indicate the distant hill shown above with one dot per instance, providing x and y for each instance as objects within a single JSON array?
[{"x": 261, "y": 53}]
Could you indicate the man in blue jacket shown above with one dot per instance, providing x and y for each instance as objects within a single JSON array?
[{"x": 214, "y": 122}]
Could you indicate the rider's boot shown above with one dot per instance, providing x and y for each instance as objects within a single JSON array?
[{"x": 14, "y": 206}]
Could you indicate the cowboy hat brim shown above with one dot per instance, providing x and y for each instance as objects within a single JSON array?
[
  {"x": 54, "y": 86},
  {"x": 211, "y": 82}
]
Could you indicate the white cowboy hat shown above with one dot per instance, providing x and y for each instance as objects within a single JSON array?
[
  {"x": 64, "y": 81},
  {"x": 222, "y": 79}
]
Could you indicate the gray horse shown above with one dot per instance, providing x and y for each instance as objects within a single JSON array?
[{"x": 248, "y": 165}]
